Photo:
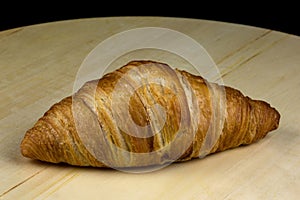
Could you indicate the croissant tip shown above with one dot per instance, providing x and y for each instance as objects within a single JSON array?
[
  {"x": 25, "y": 148},
  {"x": 31, "y": 144},
  {"x": 276, "y": 118},
  {"x": 24, "y": 151},
  {"x": 273, "y": 116}
]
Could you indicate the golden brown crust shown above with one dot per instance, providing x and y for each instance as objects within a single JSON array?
[{"x": 62, "y": 135}]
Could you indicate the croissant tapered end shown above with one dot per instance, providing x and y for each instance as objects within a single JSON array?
[
  {"x": 267, "y": 118},
  {"x": 36, "y": 145},
  {"x": 53, "y": 138},
  {"x": 47, "y": 139},
  {"x": 247, "y": 121}
]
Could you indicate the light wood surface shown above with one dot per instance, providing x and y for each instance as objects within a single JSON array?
[{"x": 38, "y": 66}]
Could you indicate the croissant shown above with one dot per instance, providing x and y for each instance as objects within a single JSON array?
[{"x": 145, "y": 114}]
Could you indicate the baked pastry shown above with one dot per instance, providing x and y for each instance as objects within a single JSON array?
[{"x": 146, "y": 113}]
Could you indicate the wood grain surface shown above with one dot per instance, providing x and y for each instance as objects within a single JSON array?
[{"x": 38, "y": 67}]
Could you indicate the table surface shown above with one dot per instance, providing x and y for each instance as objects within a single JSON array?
[{"x": 38, "y": 66}]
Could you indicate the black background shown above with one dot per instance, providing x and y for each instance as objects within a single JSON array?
[{"x": 281, "y": 16}]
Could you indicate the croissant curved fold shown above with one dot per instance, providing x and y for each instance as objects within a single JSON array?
[{"x": 147, "y": 113}]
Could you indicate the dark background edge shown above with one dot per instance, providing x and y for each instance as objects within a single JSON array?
[{"x": 279, "y": 17}]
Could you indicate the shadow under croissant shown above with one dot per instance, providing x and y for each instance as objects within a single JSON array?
[{"x": 215, "y": 157}]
